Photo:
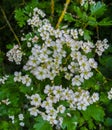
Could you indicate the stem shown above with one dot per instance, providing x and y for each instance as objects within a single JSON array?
[
  {"x": 97, "y": 31},
  {"x": 52, "y": 8},
  {"x": 11, "y": 29},
  {"x": 63, "y": 13},
  {"x": 102, "y": 75},
  {"x": 2, "y": 27}
]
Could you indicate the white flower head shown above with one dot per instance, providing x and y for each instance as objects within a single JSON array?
[
  {"x": 35, "y": 100},
  {"x": 21, "y": 117}
]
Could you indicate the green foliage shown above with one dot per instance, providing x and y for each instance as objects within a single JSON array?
[
  {"x": 95, "y": 112},
  {"x": 20, "y": 17},
  {"x": 98, "y": 9},
  {"x": 42, "y": 124}
]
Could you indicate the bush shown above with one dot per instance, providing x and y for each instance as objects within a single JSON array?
[{"x": 60, "y": 74}]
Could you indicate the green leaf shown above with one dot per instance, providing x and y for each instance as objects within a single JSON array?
[
  {"x": 70, "y": 122},
  {"x": 9, "y": 46},
  {"x": 87, "y": 35},
  {"x": 68, "y": 17},
  {"x": 104, "y": 98},
  {"x": 42, "y": 124},
  {"x": 20, "y": 17},
  {"x": 83, "y": 128},
  {"x": 108, "y": 122},
  {"x": 92, "y": 21},
  {"x": 105, "y": 22},
  {"x": 78, "y": 11},
  {"x": 58, "y": 80},
  {"x": 98, "y": 9},
  {"x": 4, "y": 125},
  {"x": 95, "y": 112}
]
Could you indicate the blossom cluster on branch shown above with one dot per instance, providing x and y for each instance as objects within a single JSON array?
[
  {"x": 78, "y": 100},
  {"x": 56, "y": 52}
]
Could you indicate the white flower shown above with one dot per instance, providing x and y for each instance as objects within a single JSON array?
[
  {"x": 81, "y": 32},
  {"x": 21, "y": 124},
  {"x": 61, "y": 109},
  {"x": 93, "y": 63},
  {"x": 48, "y": 89},
  {"x": 95, "y": 97},
  {"x": 35, "y": 100},
  {"x": 6, "y": 101},
  {"x": 26, "y": 80},
  {"x": 35, "y": 39},
  {"x": 81, "y": 106},
  {"x": 86, "y": 74},
  {"x": 57, "y": 91},
  {"x": 110, "y": 94},
  {"x": 46, "y": 104},
  {"x": 33, "y": 111},
  {"x": 18, "y": 76},
  {"x": 68, "y": 76},
  {"x": 51, "y": 111},
  {"x": 28, "y": 44},
  {"x": 3, "y": 79},
  {"x": 15, "y": 54},
  {"x": 52, "y": 120},
  {"x": 21, "y": 117},
  {"x": 12, "y": 118},
  {"x": 77, "y": 80}
]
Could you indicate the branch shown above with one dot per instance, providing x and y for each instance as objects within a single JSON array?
[
  {"x": 11, "y": 29},
  {"x": 63, "y": 13},
  {"x": 2, "y": 27},
  {"x": 52, "y": 8}
]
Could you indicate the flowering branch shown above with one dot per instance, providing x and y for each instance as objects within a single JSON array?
[
  {"x": 63, "y": 13},
  {"x": 11, "y": 29}
]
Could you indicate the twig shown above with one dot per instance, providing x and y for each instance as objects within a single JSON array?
[
  {"x": 11, "y": 29},
  {"x": 63, "y": 13},
  {"x": 2, "y": 27},
  {"x": 97, "y": 31},
  {"x": 52, "y": 8}
]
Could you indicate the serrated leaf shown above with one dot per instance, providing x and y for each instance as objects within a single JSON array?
[
  {"x": 70, "y": 122},
  {"x": 42, "y": 125},
  {"x": 92, "y": 21},
  {"x": 87, "y": 35},
  {"x": 78, "y": 11},
  {"x": 20, "y": 17},
  {"x": 68, "y": 17},
  {"x": 98, "y": 9},
  {"x": 105, "y": 22},
  {"x": 95, "y": 112}
]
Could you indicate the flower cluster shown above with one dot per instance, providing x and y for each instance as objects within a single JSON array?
[
  {"x": 82, "y": 2},
  {"x": 24, "y": 79},
  {"x": 110, "y": 94},
  {"x": 21, "y": 118},
  {"x": 56, "y": 94},
  {"x": 60, "y": 51},
  {"x": 101, "y": 46},
  {"x": 15, "y": 54},
  {"x": 3, "y": 79}
]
